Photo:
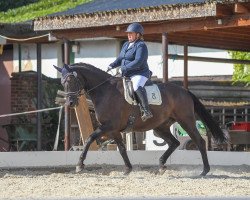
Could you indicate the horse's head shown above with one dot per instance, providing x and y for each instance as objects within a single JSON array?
[{"x": 70, "y": 83}]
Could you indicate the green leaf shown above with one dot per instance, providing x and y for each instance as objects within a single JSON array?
[{"x": 241, "y": 71}]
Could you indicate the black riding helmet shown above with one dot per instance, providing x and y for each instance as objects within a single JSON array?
[{"x": 135, "y": 27}]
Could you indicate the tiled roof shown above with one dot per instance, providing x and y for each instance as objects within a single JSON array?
[
  {"x": 98, "y": 13},
  {"x": 112, "y": 5}
]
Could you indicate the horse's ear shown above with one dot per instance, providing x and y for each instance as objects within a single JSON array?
[
  {"x": 67, "y": 67},
  {"x": 58, "y": 68}
]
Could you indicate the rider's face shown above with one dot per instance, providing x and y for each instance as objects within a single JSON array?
[{"x": 132, "y": 36}]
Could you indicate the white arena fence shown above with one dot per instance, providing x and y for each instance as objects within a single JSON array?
[{"x": 70, "y": 158}]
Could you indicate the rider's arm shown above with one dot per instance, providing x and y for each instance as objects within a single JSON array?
[{"x": 118, "y": 60}]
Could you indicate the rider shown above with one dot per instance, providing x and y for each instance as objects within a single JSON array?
[{"x": 133, "y": 61}]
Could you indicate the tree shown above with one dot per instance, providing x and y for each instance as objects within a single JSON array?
[{"x": 241, "y": 71}]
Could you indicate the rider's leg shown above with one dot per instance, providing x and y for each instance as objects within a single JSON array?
[
  {"x": 143, "y": 100},
  {"x": 140, "y": 92}
]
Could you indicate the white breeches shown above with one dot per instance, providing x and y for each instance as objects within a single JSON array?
[{"x": 138, "y": 81}]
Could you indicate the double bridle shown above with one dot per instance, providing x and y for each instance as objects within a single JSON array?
[{"x": 78, "y": 83}]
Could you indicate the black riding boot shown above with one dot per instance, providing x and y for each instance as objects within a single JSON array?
[{"x": 143, "y": 101}]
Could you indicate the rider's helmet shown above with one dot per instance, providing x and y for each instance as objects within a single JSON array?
[{"x": 135, "y": 27}]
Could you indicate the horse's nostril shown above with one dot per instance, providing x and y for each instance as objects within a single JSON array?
[{"x": 71, "y": 103}]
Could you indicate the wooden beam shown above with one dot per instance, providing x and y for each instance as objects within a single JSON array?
[
  {"x": 206, "y": 59},
  {"x": 224, "y": 10},
  {"x": 185, "y": 84},
  {"x": 157, "y": 27},
  {"x": 66, "y": 108},
  {"x": 165, "y": 57},
  {"x": 84, "y": 120},
  {"x": 39, "y": 96},
  {"x": 243, "y": 22},
  {"x": 204, "y": 42},
  {"x": 212, "y": 41},
  {"x": 231, "y": 33},
  {"x": 240, "y": 8},
  {"x": 215, "y": 36}
]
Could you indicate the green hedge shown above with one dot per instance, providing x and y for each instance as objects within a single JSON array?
[{"x": 36, "y": 8}]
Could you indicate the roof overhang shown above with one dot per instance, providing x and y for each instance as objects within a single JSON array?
[
  {"x": 221, "y": 24},
  {"x": 119, "y": 17}
]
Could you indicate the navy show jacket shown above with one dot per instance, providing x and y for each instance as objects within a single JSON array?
[{"x": 133, "y": 60}]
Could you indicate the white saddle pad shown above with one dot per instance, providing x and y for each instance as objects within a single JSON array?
[{"x": 153, "y": 94}]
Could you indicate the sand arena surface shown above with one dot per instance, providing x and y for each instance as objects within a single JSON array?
[{"x": 109, "y": 181}]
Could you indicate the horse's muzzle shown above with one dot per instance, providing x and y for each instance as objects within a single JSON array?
[{"x": 71, "y": 102}]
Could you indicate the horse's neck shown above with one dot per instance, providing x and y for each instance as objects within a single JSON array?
[
  {"x": 94, "y": 82},
  {"x": 104, "y": 90},
  {"x": 93, "y": 78}
]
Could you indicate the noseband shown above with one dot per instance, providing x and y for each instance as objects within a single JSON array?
[
  {"x": 78, "y": 91},
  {"x": 78, "y": 83}
]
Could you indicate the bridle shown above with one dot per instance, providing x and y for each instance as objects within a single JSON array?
[
  {"x": 78, "y": 83},
  {"x": 78, "y": 92}
]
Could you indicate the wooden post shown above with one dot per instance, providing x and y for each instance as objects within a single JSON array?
[
  {"x": 39, "y": 97},
  {"x": 165, "y": 57},
  {"x": 66, "y": 109},
  {"x": 84, "y": 120},
  {"x": 186, "y": 66},
  {"x": 129, "y": 141}
]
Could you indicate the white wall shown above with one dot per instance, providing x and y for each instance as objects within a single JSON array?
[
  {"x": 28, "y": 56},
  {"x": 199, "y": 68},
  {"x": 51, "y": 55},
  {"x": 70, "y": 158},
  {"x": 194, "y": 68},
  {"x": 99, "y": 53}
]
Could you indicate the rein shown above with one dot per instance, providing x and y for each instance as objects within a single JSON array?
[{"x": 78, "y": 92}]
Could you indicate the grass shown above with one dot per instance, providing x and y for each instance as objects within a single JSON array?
[{"x": 38, "y": 9}]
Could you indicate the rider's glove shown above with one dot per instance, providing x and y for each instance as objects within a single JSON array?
[{"x": 109, "y": 68}]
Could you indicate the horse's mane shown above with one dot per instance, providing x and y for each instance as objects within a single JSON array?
[{"x": 91, "y": 68}]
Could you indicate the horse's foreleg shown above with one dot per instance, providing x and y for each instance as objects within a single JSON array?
[
  {"x": 164, "y": 132},
  {"x": 123, "y": 152},
  {"x": 97, "y": 133}
]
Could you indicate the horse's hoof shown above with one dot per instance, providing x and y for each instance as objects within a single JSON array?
[
  {"x": 79, "y": 168},
  {"x": 162, "y": 170},
  {"x": 127, "y": 171},
  {"x": 204, "y": 173}
]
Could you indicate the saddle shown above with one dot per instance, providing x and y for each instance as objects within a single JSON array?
[{"x": 153, "y": 92}]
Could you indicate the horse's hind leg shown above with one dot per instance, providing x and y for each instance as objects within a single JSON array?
[
  {"x": 164, "y": 132},
  {"x": 123, "y": 152},
  {"x": 189, "y": 126}
]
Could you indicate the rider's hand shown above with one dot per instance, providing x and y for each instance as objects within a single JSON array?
[{"x": 109, "y": 68}]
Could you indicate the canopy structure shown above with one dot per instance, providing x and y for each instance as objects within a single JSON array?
[{"x": 223, "y": 24}]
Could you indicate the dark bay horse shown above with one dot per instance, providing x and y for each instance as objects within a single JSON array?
[{"x": 112, "y": 112}]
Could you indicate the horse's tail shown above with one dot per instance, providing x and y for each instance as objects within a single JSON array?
[{"x": 206, "y": 117}]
